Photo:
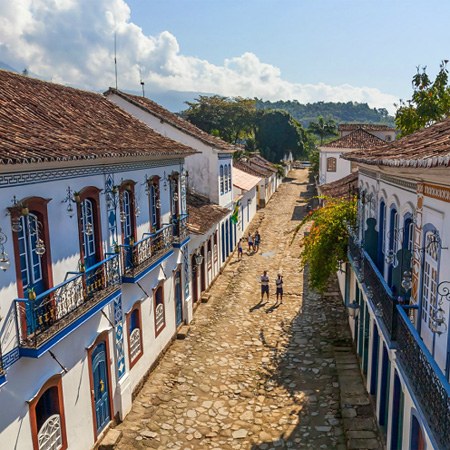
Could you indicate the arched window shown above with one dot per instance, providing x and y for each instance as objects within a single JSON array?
[
  {"x": 32, "y": 247},
  {"x": 225, "y": 175},
  {"x": 174, "y": 196},
  {"x": 155, "y": 204},
  {"x": 135, "y": 348},
  {"x": 47, "y": 417},
  {"x": 127, "y": 213},
  {"x": 89, "y": 226},
  {"x": 221, "y": 180},
  {"x": 159, "y": 308},
  {"x": 230, "y": 186},
  {"x": 430, "y": 280},
  {"x": 382, "y": 235},
  {"x": 331, "y": 164}
]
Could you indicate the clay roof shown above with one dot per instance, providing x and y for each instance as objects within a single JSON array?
[
  {"x": 176, "y": 121},
  {"x": 202, "y": 213},
  {"x": 42, "y": 122},
  {"x": 364, "y": 126},
  {"x": 342, "y": 187},
  {"x": 428, "y": 147},
  {"x": 359, "y": 138},
  {"x": 243, "y": 180},
  {"x": 256, "y": 165}
]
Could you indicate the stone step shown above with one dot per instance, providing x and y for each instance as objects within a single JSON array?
[
  {"x": 111, "y": 440},
  {"x": 183, "y": 332},
  {"x": 205, "y": 298}
]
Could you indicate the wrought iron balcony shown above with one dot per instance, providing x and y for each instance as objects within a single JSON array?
[
  {"x": 382, "y": 297},
  {"x": 2, "y": 370},
  {"x": 428, "y": 382},
  {"x": 142, "y": 254},
  {"x": 180, "y": 229},
  {"x": 65, "y": 306}
]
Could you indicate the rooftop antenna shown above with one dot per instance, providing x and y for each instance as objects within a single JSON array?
[
  {"x": 142, "y": 82},
  {"x": 115, "y": 56}
]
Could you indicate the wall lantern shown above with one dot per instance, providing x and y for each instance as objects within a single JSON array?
[
  {"x": 407, "y": 280},
  {"x": 4, "y": 258},
  {"x": 71, "y": 198},
  {"x": 198, "y": 258},
  {"x": 353, "y": 309}
]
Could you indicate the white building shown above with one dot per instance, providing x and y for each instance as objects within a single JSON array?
[
  {"x": 93, "y": 244},
  {"x": 210, "y": 172},
  {"x": 245, "y": 193},
  {"x": 398, "y": 282},
  {"x": 352, "y": 137}
]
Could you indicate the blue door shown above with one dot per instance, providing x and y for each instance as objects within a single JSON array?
[
  {"x": 223, "y": 243},
  {"x": 178, "y": 298},
  {"x": 88, "y": 233},
  {"x": 374, "y": 369},
  {"x": 127, "y": 228},
  {"x": 101, "y": 387}
]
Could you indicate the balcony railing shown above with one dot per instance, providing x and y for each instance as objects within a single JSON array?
[
  {"x": 429, "y": 385},
  {"x": 180, "y": 229},
  {"x": 142, "y": 254},
  {"x": 382, "y": 297},
  {"x": 2, "y": 370},
  {"x": 40, "y": 319}
]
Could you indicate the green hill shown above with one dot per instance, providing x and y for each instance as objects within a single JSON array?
[{"x": 350, "y": 112}]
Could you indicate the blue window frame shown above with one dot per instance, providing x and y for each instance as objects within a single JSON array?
[
  {"x": 127, "y": 224},
  {"x": 229, "y": 178},
  {"x": 88, "y": 232},
  {"x": 225, "y": 176},
  {"x": 30, "y": 262},
  {"x": 221, "y": 180},
  {"x": 155, "y": 221}
]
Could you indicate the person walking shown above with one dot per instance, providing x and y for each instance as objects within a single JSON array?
[
  {"x": 250, "y": 242},
  {"x": 240, "y": 250},
  {"x": 264, "y": 285},
  {"x": 279, "y": 285},
  {"x": 257, "y": 240}
]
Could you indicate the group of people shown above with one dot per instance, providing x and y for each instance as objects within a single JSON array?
[
  {"x": 265, "y": 286},
  {"x": 253, "y": 242}
]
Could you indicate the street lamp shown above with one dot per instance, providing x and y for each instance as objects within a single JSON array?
[
  {"x": 198, "y": 258},
  {"x": 4, "y": 258}
]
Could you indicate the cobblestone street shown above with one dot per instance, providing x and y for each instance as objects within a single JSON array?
[{"x": 252, "y": 375}]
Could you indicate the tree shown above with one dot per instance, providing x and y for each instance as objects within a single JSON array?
[
  {"x": 430, "y": 101},
  {"x": 326, "y": 243},
  {"x": 323, "y": 128},
  {"x": 277, "y": 133}
]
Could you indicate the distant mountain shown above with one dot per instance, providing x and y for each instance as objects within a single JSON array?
[
  {"x": 5, "y": 66},
  {"x": 350, "y": 112}
]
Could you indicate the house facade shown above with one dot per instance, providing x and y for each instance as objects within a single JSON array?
[
  {"x": 210, "y": 182},
  {"x": 93, "y": 247},
  {"x": 397, "y": 285}
]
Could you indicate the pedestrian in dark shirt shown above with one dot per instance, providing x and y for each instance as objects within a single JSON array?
[
  {"x": 257, "y": 241},
  {"x": 264, "y": 285},
  {"x": 279, "y": 285},
  {"x": 240, "y": 250}
]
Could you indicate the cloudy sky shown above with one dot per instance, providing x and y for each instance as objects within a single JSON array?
[{"x": 309, "y": 50}]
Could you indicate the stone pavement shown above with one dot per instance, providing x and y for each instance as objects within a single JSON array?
[{"x": 252, "y": 375}]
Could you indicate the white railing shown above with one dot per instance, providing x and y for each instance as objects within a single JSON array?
[
  {"x": 50, "y": 436},
  {"x": 135, "y": 344}
]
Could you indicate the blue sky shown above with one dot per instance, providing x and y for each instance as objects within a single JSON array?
[{"x": 361, "y": 50}]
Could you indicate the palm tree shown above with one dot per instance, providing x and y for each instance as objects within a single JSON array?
[{"x": 323, "y": 128}]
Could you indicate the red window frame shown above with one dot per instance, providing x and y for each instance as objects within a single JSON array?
[
  {"x": 135, "y": 307},
  {"x": 92, "y": 193},
  {"x": 159, "y": 288},
  {"x": 37, "y": 206},
  {"x": 53, "y": 382}
]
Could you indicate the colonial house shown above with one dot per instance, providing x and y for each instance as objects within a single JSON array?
[
  {"x": 210, "y": 176},
  {"x": 257, "y": 166},
  {"x": 244, "y": 186},
  {"x": 397, "y": 285},
  {"x": 93, "y": 252}
]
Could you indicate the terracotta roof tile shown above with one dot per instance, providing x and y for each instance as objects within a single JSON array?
[
  {"x": 364, "y": 126},
  {"x": 342, "y": 187},
  {"x": 202, "y": 213},
  {"x": 41, "y": 122},
  {"x": 359, "y": 139},
  {"x": 428, "y": 147},
  {"x": 174, "y": 120},
  {"x": 244, "y": 180},
  {"x": 256, "y": 165}
]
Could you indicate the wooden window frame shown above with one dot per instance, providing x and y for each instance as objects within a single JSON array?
[
  {"x": 91, "y": 193},
  {"x": 37, "y": 206},
  {"x": 331, "y": 164},
  {"x": 54, "y": 381},
  {"x": 160, "y": 285},
  {"x": 135, "y": 307},
  {"x": 128, "y": 185}
]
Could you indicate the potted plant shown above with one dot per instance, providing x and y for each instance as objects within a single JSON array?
[
  {"x": 76, "y": 197},
  {"x": 31, "y": 294},
  {"x": 24, "y": 210}
]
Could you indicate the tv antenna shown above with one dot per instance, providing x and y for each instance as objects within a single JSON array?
[
  {"x": 142, "y": 82},
  {"x": 115, "y": 56}
]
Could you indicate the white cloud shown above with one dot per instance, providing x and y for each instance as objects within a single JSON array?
[{"x": 72, "y": 42}]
